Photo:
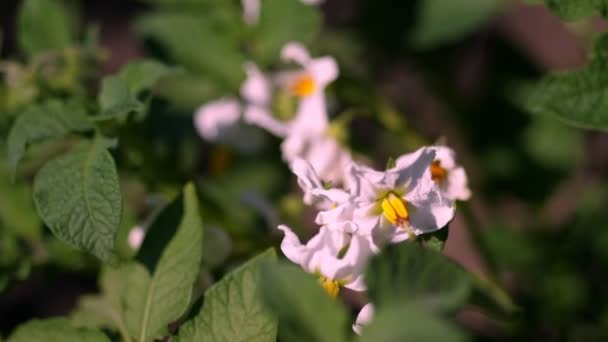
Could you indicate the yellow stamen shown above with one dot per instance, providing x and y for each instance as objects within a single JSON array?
[
  {"x": 394, "y": 209},
  {"x": 438, "y": 173},
  {"x": 303, "y": 86},
  {"x": 332, "y": 287}
]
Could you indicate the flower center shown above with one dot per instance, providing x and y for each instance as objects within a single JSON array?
[
  {"x": 438, "y": 173},
  {"x": 394, "y": 209},
  {"x": 303, "y": 86},
  {"x": 332, "y": 287}
]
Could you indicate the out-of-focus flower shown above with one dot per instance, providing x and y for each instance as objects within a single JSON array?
[
  {"x": 136, "y": 237},
  {"x": 401, "y": 202},
  {"x": 336, "y": 257},
  {"x": 307, "y": 134},
  {"x": 451, "y": 177},
  {"x": 364, "y": 317},
  {"x": 216, "y": 120},
  {"x": 219, "y": 121}
]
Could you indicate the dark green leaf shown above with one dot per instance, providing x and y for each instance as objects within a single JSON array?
[
  {"x": 408, "y": 272},
  {"x": 442, "y": 21},
  {"x": 236, "y": 301},
  {"x": 143, "y": 75},
  {"x": 575, "y": 9},
  {"x": 78, "y": 197},
  {"x": 47, "y": 121},
  {"x": 55, "y": 329},
  {"x": 407, "y": 322},
  {"x": 205, "y": 44},
  {"x": 579, "y": 97},
  {"x": 283, "y": 21},
  {"x": 305, "y": 311},
  {"x": 160, "y": 285},
  {"x": 43, "y": 25}
]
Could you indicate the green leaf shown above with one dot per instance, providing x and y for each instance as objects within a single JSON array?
[
  {"x": 204, "y": 43},
  {"x": 78, "y": 197},
  {"x": 159, "y": 292},
  {"x": 578, "y": 98},
  {"x": 408, "y": 322},
  {"x": 233, "y": 310},
  {"x": 103, "y": 310},
  {"x": 143, "y": 75},
  {"x": 441, "y": 21},
  {"x": 120, "y": 95},
  {"x": 17, "y": 213},
  {"x": 436, "y": 240},
  {"x": 280, "y": 22},
  {"x": 305, "y": 311},
  {"x": 575, "y": 9},
  {"x": 42, "y": 122},
  {"x": 408, "y": 272},
  {"x": 55, "y": 329},
  {"x": 564, "y": 153},
  {"x": 43, "y": 25}
]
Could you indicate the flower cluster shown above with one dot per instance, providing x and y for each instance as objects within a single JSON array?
[
  {"x": 414, "y": 197},
  {"x": 360, "y": 209}
]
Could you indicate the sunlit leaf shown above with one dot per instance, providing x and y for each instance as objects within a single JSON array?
[
  {"x": 55, "y": 329},
  {"x": 236, "y": 299},
  {"x": 161, "y": 283}
]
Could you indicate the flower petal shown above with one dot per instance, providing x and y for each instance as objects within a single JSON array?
[
  {"x": 257, "y": 88},
  {"x": 295, "y": 52},
  {"x": 260, "y": 116},
  {"x": 215, "y": 119}
]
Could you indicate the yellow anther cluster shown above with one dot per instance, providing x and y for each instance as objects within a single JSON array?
[
  {"x": 332, "y": 287},
  {"x": 438, "y": 173},
  {"x": 303, "y": 86},
  {"x": 395, "y": 209}
]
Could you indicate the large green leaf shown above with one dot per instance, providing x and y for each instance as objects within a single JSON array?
[
  {"x": 283, "y": 21},
  {"x": 305, "y": 311},
  {"x": 408, "y": 272},
  {"x": 205, "y": 43},
  {"x": 579, "y": 98},
  {"x": 42, "y": 122},
  {"x": 55, "y": 329},
  {"x": 103, "y": 310},
  {"x": 233, "y": 309},
  {"x": 159, "y": 292},
  {"x": 43, "y": 25},
  {"x": 78, "y": 197},
  {"x": 409, "y": 323},
  {"x": 441, "y": 21}
]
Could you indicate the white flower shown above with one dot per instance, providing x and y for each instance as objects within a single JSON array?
[
  {"x": 336, "y": 210},
  {"x": 338, "y": 258},
  {"x": 251, "y": 11},
  {"x": 136, "y": 237},
  {"x": 451, "y": 177},
  {"x": 364, "y": 317},
  {"x": 216, "y": 119},
  {"x": 307, "y": 134},
  {"x": 399, "y": 203},
  {"x": 219, "y": 121}
]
